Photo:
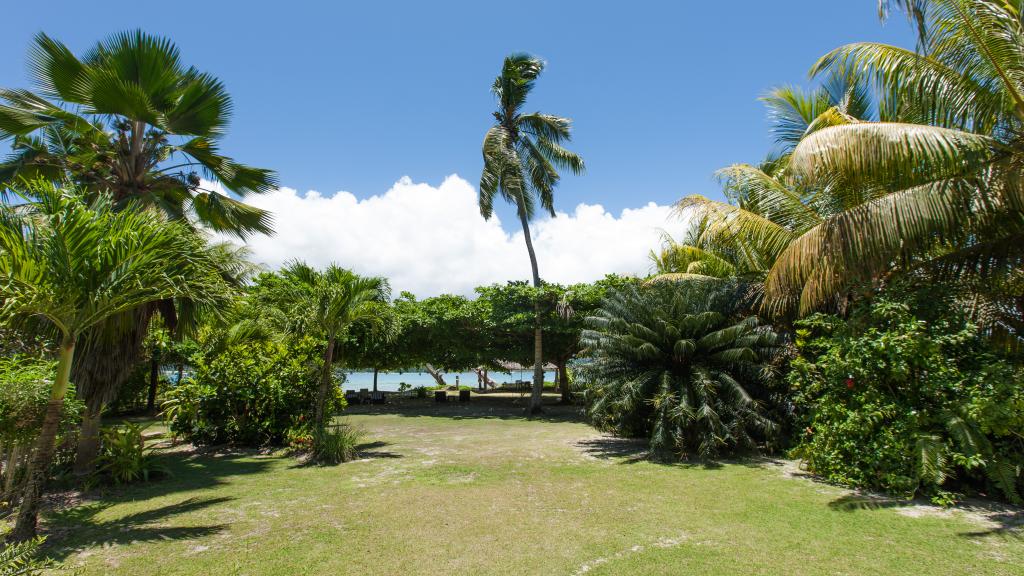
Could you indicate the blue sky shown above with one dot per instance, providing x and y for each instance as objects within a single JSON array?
[{"x": 353, "y": 96}]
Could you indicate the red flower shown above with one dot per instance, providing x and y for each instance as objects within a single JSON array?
[{"x": 849, "y": 383}]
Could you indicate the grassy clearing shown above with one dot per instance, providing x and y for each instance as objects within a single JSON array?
[{"x": 479, "y": 490}]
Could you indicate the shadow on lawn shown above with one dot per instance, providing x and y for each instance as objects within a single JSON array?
[
  {"x": 480, "y": 407},
  {"x": 999, "y": 519},
  {"x": 78, "y": 528}
]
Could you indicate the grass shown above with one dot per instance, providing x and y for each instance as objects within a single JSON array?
[{"x": 476, "y": 489}]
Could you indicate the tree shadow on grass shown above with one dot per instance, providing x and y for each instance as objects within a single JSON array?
[
  {"x": 480, "y": 407},
  {"x": 80, "y": 528},
  {"x": 372, "y": 451},
  {"x": 996, "y": 519},
  {"x": 635, "y": 451}
]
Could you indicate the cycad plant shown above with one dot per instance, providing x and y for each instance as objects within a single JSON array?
[
  {"x": 523, "y": 153},
  {"x": 72, "y": 266},
  {"x": 670, "y": 361}
]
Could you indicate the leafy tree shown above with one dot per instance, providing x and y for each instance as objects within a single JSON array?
[
  {"x": 522, "y": 155},
  {"x": 564, "y": 310},
  {"x": 75, "y": 266},
  {"x": 669, "y": 361},
  {"x": 442, "y": 333}
]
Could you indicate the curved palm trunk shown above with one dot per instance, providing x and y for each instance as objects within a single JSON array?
[
  {"x": 39, "y": 465},
  {"x": 325, "y": 385},
  {"x": 536, "y": 394}
]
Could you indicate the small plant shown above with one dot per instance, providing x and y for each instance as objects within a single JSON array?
[
  {"x": 299, "y": 436},
  {"x": 125, "y": 457},
  {"x": 337, "y": 444},
  {"x": 22, "y": 558}
]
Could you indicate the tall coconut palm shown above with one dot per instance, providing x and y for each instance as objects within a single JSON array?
[
  {"x": 522, "y": 155},
  {"x": 73, "y": 266},
  {"x": 944, "y": 186},
  {"x": 328, "y": 302},
  {"x": 129, "y": 119}
]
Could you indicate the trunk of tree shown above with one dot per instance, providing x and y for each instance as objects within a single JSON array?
[
  {"x": 42, "y": 459},
  {"x": 536, "y": 396},
  {"x": 181, "y": 372},
  {"x": 563, "y": 382},
  {"x": 375, "y": 379},
  {"x": 11, "y": 473},
  {"x": 438, "y": 377},
  {"x": 325, "y": 385},
  {"x": 88, "y": 442},
  {"x": 154, "y": 380}
]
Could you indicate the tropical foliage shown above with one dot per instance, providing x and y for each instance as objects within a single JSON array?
[
  {"x": 72, "y": 266},
  {"x": 250, "y": 394},
  {"x": 674, "y": 363},
  {"x": 907, "y": 397}
]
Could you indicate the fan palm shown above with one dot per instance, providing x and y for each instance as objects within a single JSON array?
[
  {"x": 130, "y": 119},
  {"x": 671, "y": 362},
  {"x": 522, "y": 155},
  {"x": 945, "y": 184},
  {"x": 329, "y": 302},
  {"x": 73, "y": 266}
]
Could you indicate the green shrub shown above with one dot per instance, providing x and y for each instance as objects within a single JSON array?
[
  {"x": 337, "y": 443},
  {"x": 124, "y": 456},
  {"x": 890, "y": 400},
  {"x": 250, "y": 394},
  {"x": 25, "y": 384},
  {"x": 673, "y": 363}
]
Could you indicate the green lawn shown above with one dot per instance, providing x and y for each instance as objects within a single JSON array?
[{"x": 479, "y": 490}]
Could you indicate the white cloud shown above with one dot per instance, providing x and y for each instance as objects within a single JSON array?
[{"x": 432, "y": 240}]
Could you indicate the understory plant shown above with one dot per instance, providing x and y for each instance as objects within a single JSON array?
[
  {"x": 337, "y": 443},
  {"x": 22, "y": 558},
  {"x": 675, "y": 363},
  {"x": 249, "y": 394},
  {"x": 125, "y": 458},
  {"x": 907, "y": 397}
]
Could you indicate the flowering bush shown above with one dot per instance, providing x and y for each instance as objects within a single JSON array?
[{"x": 892, "y": 401}]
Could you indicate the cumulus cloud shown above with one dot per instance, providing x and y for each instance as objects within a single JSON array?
[{"x": 431, "y": 239}]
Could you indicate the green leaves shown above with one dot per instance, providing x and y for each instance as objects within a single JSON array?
[{"x": 77, "y": 265}]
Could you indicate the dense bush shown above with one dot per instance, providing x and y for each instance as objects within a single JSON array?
[
  {"x": 249, "y": 394},
  {"x": 894, "y": 401},
  {"x": 25, "y": 384},
  {"x": 337, "y": 444},
  {"x": 672, "y": 362}
]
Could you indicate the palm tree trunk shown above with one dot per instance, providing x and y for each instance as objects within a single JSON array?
[
  {"x": 325, "y": 385},
  {"x": 154, "y": 380},
  {"x": 538, "y": 348},
  {"x": 39, "y": 464},
  {"x": 374, "y": 379},
  {"x": 563, "y": 382},
  {"x": 88, "y": 442}
]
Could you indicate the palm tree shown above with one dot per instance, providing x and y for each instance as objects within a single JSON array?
[
  {"x": 75, "y": 265},
  {"x": 128, "y": 119},
  {"x": 943, "y": 182},
  {"x": 329, "y": 302},
  {"x": 522, "y": 155},
  {"x": 670, "y": 361}
]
